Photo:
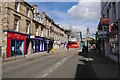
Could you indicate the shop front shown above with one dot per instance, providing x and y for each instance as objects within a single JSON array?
[
  {"x": 38, "y": 44},
  {"x": 16, "y": 44},
  {"x": 48, "y": 44}
]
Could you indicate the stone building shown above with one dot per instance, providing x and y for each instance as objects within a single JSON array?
[
  {"x": 25, "y": 30},
  {"x": 16, "y": 27}
]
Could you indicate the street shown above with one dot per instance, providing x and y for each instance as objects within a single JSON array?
[{"x": 72, "y": 64}]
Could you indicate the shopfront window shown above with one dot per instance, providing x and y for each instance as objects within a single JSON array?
[
  {"x": 17, "y": 47},
  {"x": 114, "y": 45}
]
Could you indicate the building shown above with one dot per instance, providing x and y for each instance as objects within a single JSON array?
[
  {"x": 16, "y": 28},
  {"x": 108, "y": 29},
  {"x": 25, "y": 30}
]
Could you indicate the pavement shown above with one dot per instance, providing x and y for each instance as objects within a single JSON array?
[
  {"x": 18, "y": 58},
  {"x": 97, "y": 66}
]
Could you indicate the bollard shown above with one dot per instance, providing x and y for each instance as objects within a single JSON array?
[{"x": 52, "y": 50}]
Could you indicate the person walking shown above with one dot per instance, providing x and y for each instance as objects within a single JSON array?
[
  {"x": 111, "y": 48},
  {"x": 67, "y": 48},
  {"x": 86, "y": 49},
  {"x": 83, "y": 49}
]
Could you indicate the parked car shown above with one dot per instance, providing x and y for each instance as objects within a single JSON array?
[{"x": 73, "y": 44}]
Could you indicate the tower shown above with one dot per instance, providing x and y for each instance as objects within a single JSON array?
[
  {"x": 87, "y": 36},
  {"x": 88, "y": 33}
]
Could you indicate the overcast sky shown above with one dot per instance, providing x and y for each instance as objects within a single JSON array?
[{"x": 79, "y": 15}]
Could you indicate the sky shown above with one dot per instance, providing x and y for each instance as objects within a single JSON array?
[{"x": 78, "y": 15}]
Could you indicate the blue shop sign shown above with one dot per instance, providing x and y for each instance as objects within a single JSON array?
[{"x": 27, "y": 36}]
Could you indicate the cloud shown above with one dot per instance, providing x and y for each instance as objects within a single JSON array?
[
  {"x": 67, "y": 22},
  {"x": 79, "y": 16},
  {"x": 85, "y": 10}
]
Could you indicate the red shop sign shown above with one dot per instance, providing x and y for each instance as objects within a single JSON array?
[{"x": 104, "y": 21}]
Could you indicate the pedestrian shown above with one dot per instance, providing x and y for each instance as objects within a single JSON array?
[
  {"x": 86, "y": 49},
  {"x": 83, "y": 48},
  {"x": 111, "y": 48},
  {"x": 67, "y": 48}
]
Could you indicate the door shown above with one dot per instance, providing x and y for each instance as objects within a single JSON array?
[
  {"x": 12, "y": 53},
  {"x": 17, "y": 47},
  {"x": 21, "y": 43}
]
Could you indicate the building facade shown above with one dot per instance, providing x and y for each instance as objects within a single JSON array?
[
  {"x": 16, "y": 28},
  {"x": 109, "y": 27},
  {"x": 25, "y": 30}
]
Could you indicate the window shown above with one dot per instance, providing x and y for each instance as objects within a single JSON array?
[
  {"x": 41, "y": 20},
  {"x": 27, "y": 12},
  {"x": 0, "y": 9},
  {"x": 27, "y": 27},
  {"x": 36, "y": 30},
  {"x": 16, "y": 24},
  {"x": 114, "y": 10},
  {"x": 17, "y": 6},
  {"x": 107, "y": 13}
]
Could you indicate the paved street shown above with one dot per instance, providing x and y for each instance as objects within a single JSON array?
[{"x": 71, "y": 64}]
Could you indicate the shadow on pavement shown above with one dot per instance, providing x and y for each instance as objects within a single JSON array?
[
  {"x": 95, "y": 66},
  {"x": 84, "y": 70}
]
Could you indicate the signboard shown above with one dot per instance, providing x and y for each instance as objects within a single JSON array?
[
  {"x": 104, "y": 21},
  {"x": 32, "y": 36},
  {"x": 102, "y": 34},
  {"x": 47, "y": 41}
]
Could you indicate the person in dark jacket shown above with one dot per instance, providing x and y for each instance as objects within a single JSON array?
[
  {"x": 83, "y": 49},
  {"x": 86, "y": 49}
]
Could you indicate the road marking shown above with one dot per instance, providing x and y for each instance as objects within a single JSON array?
[
  {"x": 51, "y": 70},
  {"x": 45, "y": 75},
  {"x": 56, "y": 66},
  {"x": 79, "y": 50}
]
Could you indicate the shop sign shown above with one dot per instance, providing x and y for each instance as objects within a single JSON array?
[
  {"x": 102, "y": 34},
  {"x": 32, "y": 36},
  {"x": 104, "y": 21}
]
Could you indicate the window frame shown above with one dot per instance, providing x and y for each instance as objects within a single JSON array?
[
  {"x": 16, "y": 24},
  {"x": 28, "y": 27},
  {"x": 16, "y": 6}
]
